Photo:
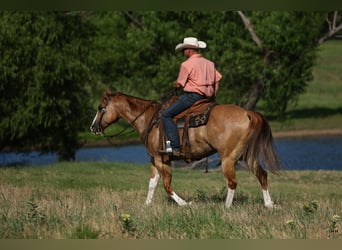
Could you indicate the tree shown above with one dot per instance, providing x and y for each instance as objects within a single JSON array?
[
  {"x": 267, "y": 65},
  {"x": 287, "y": 42},
  {"x": 55, "y": 65},
  {"x": 334, "y": 26},
  {"x": 44, "y": 70},
  {"x": 133, "y": 56}
]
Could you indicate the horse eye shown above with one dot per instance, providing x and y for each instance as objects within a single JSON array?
[{"x": 103, "y": 109}]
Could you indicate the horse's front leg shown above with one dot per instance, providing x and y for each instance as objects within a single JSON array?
[
  {"x": 167, "y": 178},
  {"x": 154, "y": 178}
]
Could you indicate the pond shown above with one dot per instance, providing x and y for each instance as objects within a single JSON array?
[{"x": 311, "y": 153}]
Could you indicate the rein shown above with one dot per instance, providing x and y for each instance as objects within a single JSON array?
[{"x": 151, "y": 124}]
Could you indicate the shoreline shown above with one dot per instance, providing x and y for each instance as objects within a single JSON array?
[
  {"x": 278, "y": 134},
  {"x": 307, "y": 133},
  {"x": 137, "y": 141}
]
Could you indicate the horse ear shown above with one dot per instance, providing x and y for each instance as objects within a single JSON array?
[
  {"x": 109, "y": 91},
  {"x": 106, "y": 95}
]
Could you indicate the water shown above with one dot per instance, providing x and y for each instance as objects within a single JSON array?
[{"x": 312, "y": 153}]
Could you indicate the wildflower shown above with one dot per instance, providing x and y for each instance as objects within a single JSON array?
[
  {"x": 127, "y": 223},
  {"x": 126, "y": 218},
  {"x": 314, "y": 204},
  {"x": 333, "y": 223},
  {"x": 335, "y": 218},
  {"x": 291, "y": 223},
  {"x": 310, "y": 207}
]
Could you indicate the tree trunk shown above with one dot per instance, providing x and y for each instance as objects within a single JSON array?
[
  {"x": 334, "y": 28},
  {"x": 67, "y": 151},
  {"x": 254, "y": 94},
  {"x": 256, "y": 90},
  {"x": 66, "y": 155}
]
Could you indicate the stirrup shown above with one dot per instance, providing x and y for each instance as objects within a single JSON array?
[{"x": 174, "y": 152}]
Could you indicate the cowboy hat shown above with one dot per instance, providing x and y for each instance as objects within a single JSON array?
[{"x": 190, "y": 43}]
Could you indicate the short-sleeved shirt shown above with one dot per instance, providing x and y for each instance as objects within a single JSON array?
[{"x": 198, "y": 74}]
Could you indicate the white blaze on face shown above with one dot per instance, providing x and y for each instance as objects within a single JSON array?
[{"x": 92, "y": 124}]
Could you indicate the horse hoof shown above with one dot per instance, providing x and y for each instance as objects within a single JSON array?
[
  {"x": 269, "y": 205},
  {"x": 272, "y": 206}
]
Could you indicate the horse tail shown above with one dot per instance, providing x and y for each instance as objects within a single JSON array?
[{"x": 261, "y": 145}]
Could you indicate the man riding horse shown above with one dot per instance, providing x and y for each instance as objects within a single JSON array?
[
  {"x": 199, "y": 79},
  {"x": 235, "y": 133}
]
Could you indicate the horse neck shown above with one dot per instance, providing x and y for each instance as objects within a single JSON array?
[{"x": 137, "y": 111}]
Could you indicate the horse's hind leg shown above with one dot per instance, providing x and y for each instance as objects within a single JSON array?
[
  {"x": 154, "y": 178},
  {"x": 228, "y": 168},
  {"x": 261, "y": 174}
]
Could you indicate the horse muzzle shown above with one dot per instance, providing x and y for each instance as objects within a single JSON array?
[{"x": 96, "y": 129}]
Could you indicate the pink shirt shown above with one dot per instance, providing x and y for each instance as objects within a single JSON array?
[{"x": 198, "y": 74}]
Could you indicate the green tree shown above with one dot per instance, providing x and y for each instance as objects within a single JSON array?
[
  {"x": 133, "y": 56},
  {"x": 55, "y": 65},
  {"x": 286, "y": 43},
  {"x": 44, "y": 71},
  {"x": 270, "y": 73}
]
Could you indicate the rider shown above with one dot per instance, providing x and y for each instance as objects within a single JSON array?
[{"x": 199, "y": 79}]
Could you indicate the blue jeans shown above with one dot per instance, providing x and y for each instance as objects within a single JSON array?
[{"x": 181, "y": 104}]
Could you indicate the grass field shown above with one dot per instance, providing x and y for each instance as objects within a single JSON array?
[{"x": 103, "y": 200}]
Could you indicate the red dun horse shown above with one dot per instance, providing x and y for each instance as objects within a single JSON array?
[{"x": 233, "y": 132}]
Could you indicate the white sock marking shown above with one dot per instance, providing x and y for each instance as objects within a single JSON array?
[
  {"x": 230, "y": 196},
  {"x": 151, "y": 188},
  {"x": 179, "y": 200},
  {"x": 267, "y": 198}
]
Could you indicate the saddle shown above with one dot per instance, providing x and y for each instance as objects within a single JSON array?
[{"x": 195, "y": 116}]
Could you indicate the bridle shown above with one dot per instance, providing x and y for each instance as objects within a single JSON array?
[{"x": 130, "y": 123}]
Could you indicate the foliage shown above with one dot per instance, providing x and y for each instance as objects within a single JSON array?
[
  {"x": 44, "y": 66},
  {"x": 319, "y": 107},
  {"x": 143, "y": 55},
  {"x": 291, "y": 41},
  {"x": 55, "y": 65}
]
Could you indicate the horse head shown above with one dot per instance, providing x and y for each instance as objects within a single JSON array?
[{"x": 106, "y": 114}]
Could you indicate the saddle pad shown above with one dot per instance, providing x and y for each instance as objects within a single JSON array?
[{"x": 196, "y": 120}]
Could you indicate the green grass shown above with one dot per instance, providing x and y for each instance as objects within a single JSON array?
[
  {"x": 103, "y": 200},
  {"x": 325, "y": 91}
]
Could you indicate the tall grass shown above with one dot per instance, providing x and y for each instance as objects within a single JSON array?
[{"x": 102, "y": 200}]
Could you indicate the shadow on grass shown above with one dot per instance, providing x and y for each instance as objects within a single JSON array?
[{"x": 240, "y": 197}]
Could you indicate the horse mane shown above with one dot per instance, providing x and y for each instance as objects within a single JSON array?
[{"x": 118, "y": 94}]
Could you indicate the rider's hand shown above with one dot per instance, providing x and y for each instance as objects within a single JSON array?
[{"x": 176, "y": 84}]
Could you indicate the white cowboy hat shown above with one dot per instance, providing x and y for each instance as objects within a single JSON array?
[{"x": 190, "y": 43}]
